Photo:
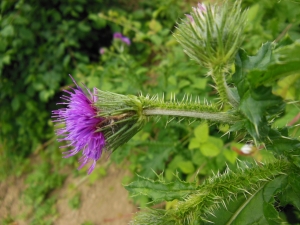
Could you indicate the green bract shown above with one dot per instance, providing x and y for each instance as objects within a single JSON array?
[{"x": 123, "y": 117}]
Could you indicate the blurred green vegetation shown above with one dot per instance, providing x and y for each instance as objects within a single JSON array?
[{"x": 41, "y": 42}]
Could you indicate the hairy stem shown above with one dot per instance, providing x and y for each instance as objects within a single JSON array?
[
  {"x": 226, "y": 95},
  {"x": 220, "y": 117}
]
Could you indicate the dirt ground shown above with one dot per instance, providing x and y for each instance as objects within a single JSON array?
[{"x": 104, "y": 202}]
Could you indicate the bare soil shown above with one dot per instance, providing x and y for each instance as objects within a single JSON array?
[{"x": 105, "y": 202}]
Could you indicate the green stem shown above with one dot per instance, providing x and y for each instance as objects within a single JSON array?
[
  {"x": 226, "y": 95},
  {"x": 220, "y": 117}
]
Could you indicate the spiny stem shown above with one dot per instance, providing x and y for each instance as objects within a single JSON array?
[
  {"x": 220, "y": 117},
  {"x": 218, "y": 75}
]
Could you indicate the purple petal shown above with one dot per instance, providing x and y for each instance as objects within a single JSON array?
[
  {"x": 80, "y": 124},
  {"x": 118, "y": 35},
  {"x": 102, "y": 51},
  {"x": 201, "y": 7},
  {"x": 126, "y": 40},
  {"x": 190, "y": 17}
]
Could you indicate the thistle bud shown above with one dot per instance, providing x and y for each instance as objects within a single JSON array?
[{"x": 212, "y": 34}]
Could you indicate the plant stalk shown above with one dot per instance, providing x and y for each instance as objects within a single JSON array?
[
  {"x": 226, "y": 96},
  {"x": 220, "y": 117}
]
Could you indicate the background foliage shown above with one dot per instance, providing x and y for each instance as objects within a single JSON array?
[{"x": 41, "y": 42}]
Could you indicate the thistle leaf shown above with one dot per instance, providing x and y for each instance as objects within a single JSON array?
[
  {"x": 285, "y": 62},
  {"x": 282, "y": 145},
  {"x": 258, "y": 204},
  {"x": 257, "y": 101},
  {"x": 160, "y": 190},
  {"x": 228, "y": 198},
  {"x": 256, "y": 105}
]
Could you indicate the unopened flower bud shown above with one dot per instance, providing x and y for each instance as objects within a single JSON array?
[{"x": 212, "y": 34}]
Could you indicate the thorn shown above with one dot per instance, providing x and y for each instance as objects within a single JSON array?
[
  {"x": 182, "y": 100},
  {"x": 180, "y": 120},
  {"x": 223, "y": 203},
  {"x": 212, "y": 214}
]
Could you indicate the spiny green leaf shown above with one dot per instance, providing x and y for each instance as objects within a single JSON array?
[
  {"x": 258, "y": 204},
  {"x": 291, "y": 195},
  {"x": 283, "y": 145},
  {"x": 258, "y": 103},
  {"x": 231, "y": 197},
  {"x": 286, "y": 62},
  {"x": 159, "y": 190},
  {"x": 245, "y": 64}
]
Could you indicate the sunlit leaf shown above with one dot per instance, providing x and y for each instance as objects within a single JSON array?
[
  {"x": 186, "y": 167},
  {"x": 194, "y": 143},
  {"x": 202, "y": 132},
  {"x": 209, "y": 149}
]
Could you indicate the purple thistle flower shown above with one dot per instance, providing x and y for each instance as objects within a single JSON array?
[
  {"x": 118, "y": 35},
  {"x": 124, "y": 39},
  {"x": 81, "y": 121},
  {"x": 102, "y": 50}
]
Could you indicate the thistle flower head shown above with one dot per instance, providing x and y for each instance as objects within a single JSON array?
[
  {"x": 80, "y": 124},
  {"x": 124, "y": 39},
  {"x": 212, "y": 34},
  {"x": 94, "y": 122},
  {"x": 102, "y": 51}
]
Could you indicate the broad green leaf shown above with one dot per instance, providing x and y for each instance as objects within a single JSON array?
[
  {"x": 194, "y": 143},
  {"x": 199, "y": 159},
  {"x": 155, "y": 26},
  {"x": 186, "y": 167},
  {"x": 177, "y": 159},
  {"x": 7, "y": 31},
  {"x": 209, "y": 149},
  {"x": 202, "y": 132},
  {"x": 216, "y": 141},
  {"x": 183, "y": 83},
  {"x": 230, "y": 155},
  {"x": 159, "y": 190},
  {"x": 156, "y": 39},
  {"x": 199, "y": 83}
]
